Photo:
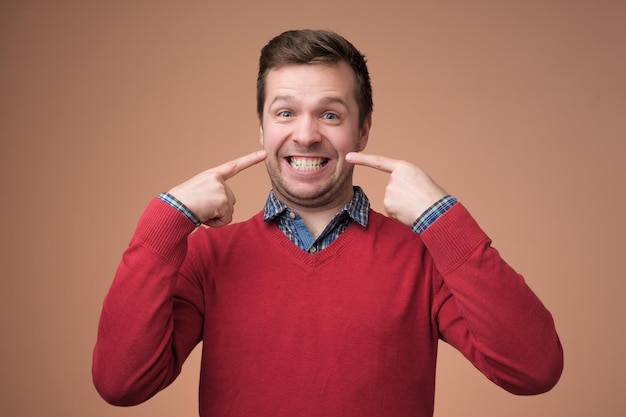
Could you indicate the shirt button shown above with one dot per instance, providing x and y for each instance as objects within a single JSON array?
[
  {"x": 313, "y": 250},
  {"x": 292, "y": 215}
]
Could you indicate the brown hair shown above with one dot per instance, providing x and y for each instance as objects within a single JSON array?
[{"x": 315, "y": 47}]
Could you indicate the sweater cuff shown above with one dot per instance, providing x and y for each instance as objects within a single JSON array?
[
  {"x": 164, "y": 230},
  {"x": 452, "y": 238}
]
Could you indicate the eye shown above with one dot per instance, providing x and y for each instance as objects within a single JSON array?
[
  {"x": 330, "y": 116},
  {"x": 285, "y": 113}
]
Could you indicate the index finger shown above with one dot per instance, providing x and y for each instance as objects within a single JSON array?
[
  {"x": 379, "y": 162},
  {"x": 232, "y": 168}
]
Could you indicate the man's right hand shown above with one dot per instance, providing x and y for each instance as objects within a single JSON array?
[{"x": 208, "y": 196}]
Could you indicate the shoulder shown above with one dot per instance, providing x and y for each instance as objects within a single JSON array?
[
  {"x": 391, "y": 233},
  {"x": 232, "y": 246},
  {"x": 248, "y": 228},
  {"x": 380, "y": 223}
]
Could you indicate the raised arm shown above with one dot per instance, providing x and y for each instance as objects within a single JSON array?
[
  {"x": 482, "y": 306},
  {"x": 146, "y": 331}
]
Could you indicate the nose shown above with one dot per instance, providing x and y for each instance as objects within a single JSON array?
[{"x": 306, "y": 131}]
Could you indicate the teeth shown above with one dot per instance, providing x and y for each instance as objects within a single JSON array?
[{"x": 307, "y": 164}]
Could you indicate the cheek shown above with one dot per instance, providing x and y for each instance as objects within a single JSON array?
[
  {"x": 273, "y": 137},
  {"x": 348, "y": 142}
]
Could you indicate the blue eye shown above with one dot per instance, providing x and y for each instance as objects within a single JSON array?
[
  {"x": 285, "y": 113},
  {"x": 330, "y": 116}
]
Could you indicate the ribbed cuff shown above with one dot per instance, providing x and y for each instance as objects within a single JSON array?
[
  {"x": 453, "y": 238},
  {"x": 164, "y": 230},
  {"x": 178, "y": 205}
]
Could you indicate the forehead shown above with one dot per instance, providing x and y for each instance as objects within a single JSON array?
[{"x": 302, "y": 81}]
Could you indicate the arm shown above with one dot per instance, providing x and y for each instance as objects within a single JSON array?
[
  {"x": 485, "y": 309},
  {"x": 152, "y": 315},
  {"x": 138, "y": 351},
  {"x": 482, "y": 306}
]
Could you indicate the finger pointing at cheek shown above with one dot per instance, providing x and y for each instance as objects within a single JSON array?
[
  {"x": 232, "y": 168},
  {"x": 208, "y": 196},
  {"x": 378, "y": 162},
  {"x": 409, "y": 192}
]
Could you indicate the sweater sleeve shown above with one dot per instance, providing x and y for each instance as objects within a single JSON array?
[
  {"x": 146, "y": 331},
  {"x": 486, "y": 310}
]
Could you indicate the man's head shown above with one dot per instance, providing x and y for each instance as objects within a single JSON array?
[
  {"x": 315, "y": 47},
  {"x": 315, "y": 107}
]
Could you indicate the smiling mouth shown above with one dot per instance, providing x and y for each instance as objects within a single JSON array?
[{"x": 306, "y": 164}]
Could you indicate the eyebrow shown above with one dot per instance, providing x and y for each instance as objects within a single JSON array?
[
  {"x": 325, "y": 100},
  {"x": 286, "y": 98}
]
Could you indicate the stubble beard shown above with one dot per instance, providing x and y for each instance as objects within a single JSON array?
[{"x": 329, "y": 193}]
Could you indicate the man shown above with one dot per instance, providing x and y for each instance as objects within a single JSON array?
[{"x": 316, "y": 306}]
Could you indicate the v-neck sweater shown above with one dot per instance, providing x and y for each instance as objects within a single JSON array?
[{"x": 349, "y": 331}]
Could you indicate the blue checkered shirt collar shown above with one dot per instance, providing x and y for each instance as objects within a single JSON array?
[{"x": 357, "y": 208}]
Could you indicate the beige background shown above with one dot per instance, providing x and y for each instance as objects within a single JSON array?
[{"x": 517, "y": 108}]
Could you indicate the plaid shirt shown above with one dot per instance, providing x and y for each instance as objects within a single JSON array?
[{"x": 292, "y": 225}]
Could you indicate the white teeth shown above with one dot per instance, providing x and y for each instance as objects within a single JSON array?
[{"x": 307, "y": 164}]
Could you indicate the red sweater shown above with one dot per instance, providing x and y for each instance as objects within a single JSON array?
[{"x": 349, "y": 331}]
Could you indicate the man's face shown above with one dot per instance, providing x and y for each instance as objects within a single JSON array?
[{"x": 310, "y": 122}]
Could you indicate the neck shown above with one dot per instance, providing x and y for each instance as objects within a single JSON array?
[
  {"x": 317, "y": 218},
  {"x": 316, "y": 221}
]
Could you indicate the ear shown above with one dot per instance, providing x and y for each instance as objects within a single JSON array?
[{"x": 364, "y": 133}]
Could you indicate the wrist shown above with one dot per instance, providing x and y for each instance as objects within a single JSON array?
[
  {"x": 178, "y": 205},
  {"x": 433, "y": 213}
]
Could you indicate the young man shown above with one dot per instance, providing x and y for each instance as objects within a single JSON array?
[{"x": 316, "y": 306}]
